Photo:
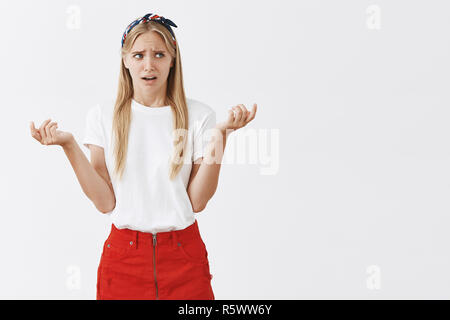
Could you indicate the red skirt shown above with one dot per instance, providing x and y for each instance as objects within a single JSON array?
[{"x": 169, "y": 265}]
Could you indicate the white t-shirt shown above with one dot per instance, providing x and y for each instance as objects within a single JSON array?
[{"x": 146, "y": 199}]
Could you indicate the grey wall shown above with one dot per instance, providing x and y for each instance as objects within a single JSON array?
[{"x": 343, "y": 193}]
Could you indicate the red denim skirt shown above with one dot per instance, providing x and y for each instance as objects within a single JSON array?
[{"x": 170, "y": 265}]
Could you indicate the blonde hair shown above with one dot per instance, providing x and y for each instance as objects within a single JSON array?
[{"x": 175, "y": 97}]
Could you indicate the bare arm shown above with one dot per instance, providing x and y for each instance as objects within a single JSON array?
[
  {"x": 93, "y": 176},
  {"x": 95, "y": 184},
  {"x": 205, "y": 171}
]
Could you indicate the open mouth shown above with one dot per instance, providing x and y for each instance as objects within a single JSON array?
[{"x": 152, "y": 78}]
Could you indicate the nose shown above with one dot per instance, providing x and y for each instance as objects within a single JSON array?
[{"x": 148, "y": 63}]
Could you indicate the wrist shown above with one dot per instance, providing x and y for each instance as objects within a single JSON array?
[
  {"x": 69, "y": 144},
  {"x": 224, "y": 131}
]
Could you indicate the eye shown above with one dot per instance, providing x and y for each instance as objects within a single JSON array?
[{"x": 139, "y": 54}]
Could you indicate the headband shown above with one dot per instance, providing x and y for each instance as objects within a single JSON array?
[{"x": 154, "y": 17}]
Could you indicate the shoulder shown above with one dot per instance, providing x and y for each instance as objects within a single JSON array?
[
  {"x": 102, "y": 110},
  {"x": 198, "y": 110},
  {"x": 107, "y": 107}
]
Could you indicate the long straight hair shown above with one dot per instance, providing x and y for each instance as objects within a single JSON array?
[{"x": 175, "y": 98}]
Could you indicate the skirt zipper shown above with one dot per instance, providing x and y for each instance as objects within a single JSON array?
[{"x": 154, "y": 264}]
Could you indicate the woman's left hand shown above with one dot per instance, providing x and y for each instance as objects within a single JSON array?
[{"x": 238, "y": 117}]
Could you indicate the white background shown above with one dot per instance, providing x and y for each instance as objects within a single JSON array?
[{"x": 357, "y": 206}]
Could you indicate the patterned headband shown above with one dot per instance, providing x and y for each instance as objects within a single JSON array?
[{"x": 154, "y": 17}]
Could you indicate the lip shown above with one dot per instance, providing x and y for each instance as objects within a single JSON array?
[{"x": 150, "y": 81}]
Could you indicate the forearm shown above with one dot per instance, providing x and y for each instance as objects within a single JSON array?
[
  {"x": 92, "y": 184},
  {"x": 204, "y": 185}
]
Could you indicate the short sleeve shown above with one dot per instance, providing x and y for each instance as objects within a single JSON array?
[
  {"x": 203, "y": 134},
  {"x": 94, "y": 133}
]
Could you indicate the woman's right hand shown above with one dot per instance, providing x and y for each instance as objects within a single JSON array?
[{"x": 48, "y": 135}]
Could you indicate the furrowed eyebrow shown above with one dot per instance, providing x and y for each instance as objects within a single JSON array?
[{"x": 157, "y": 50}]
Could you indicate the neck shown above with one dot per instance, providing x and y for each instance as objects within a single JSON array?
[{"x": 151, "y": 99}]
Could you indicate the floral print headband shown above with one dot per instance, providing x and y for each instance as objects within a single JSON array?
[{"x": 154, "y": 17}]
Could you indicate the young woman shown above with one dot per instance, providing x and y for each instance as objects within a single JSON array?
[{"x": 164, "y": 152}]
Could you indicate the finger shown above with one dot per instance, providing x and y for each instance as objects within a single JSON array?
[
  {"x": 42, "y": 130},
  {"x": 49, "y": 126},
  {"x": 32, "y": 128},
  {"x": 247, "y": 117},
  {"x": 52, "y": 131},
  {"x": 34, "y": 132},
  {"x": 244, "y": 112},
  {"x": 252, "y": 113},
  {"x": 238, "y": 116},
  {"x": 48, "y": 133},
  {"x": 44, "y": 124},
  {"x": 231, "y": 115}
]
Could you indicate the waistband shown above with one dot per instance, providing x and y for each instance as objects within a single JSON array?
[{"x": 189, "y": 233}]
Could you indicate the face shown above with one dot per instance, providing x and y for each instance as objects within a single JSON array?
[{"x": 149, "y": 58}]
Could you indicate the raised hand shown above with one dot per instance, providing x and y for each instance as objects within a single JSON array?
[
  {"x": 238, "y": 117},
  {"x": 48, "y": 135}
]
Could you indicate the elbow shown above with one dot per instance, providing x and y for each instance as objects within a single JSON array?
[
  {"x": 198, "y": 207},
  {"x": 107, "y": 207},
  {"x": 104, "y": 201},
  {"x": 199, "y": 202},
  {"x": 111, "y": 203},
  {"x": 106, "y": 211}
]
